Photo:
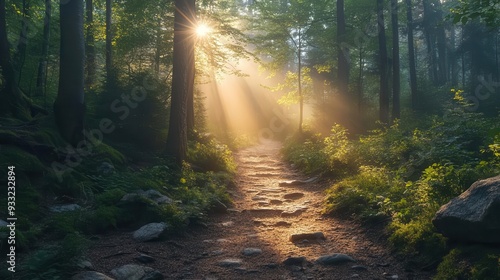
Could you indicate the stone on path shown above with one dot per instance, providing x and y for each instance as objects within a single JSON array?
[
  {"x": 150, "y": 232},
  {"x": 334, "y": 259},
  {"x": 136, "y": 272},
  {"x": 472, "y": 216},
  {"x": 282, "y": 224},
  {"x": 293, "y": 196},
  {"x": 294, "y": 212},
  {"x": 90, "y": 275},
  {"x": 251, "y": 251},
  {"x": 230, "y": 263},
  {"x": 309, "y": 236},
  {"x": 294, "y": 261}
]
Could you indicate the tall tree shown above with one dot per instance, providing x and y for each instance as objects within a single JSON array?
[
  {"x": 411, "y": 56},
  {"x": 12, "y": 101},
  {"x": 69, "y": 107},
  {"x": 343, "y": 52},
  {"x": 182, "y": 78},
  {"x": 41, "y": 78},
  {"x": 89, "y": 44},
  {"x": 109, "y": 38},
  {"x": 384, "y": 87},
  {"x": 20, "y": 55},
  {"x": 396, "y": 86}
]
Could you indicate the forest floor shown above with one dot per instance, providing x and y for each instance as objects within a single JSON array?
[{"x": 272, "y": 202}]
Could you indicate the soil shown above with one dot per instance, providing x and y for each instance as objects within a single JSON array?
[{"x": 272, "y": 202}]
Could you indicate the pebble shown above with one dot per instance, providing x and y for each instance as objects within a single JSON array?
[
  {"x": 359, "y": 267},
  {"x": 293, "y": 196},
  {"x": 294, "y": 261},
  {"x": 334, "y": 259},
  {"x": 251, "y": 251},
  {"x": 230, "y": 263},
  {"x": 309, "y": 236}
]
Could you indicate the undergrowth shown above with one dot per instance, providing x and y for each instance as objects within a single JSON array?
[
  {"x": 403, "y": 173},
  {"x": 50, "y": 245}
]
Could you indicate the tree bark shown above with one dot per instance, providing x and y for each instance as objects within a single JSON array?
[
  {"x": 23, "y": 41},
  {"x": 109, "y": 38},
  {"x": 299, "y": 82},
  {"x": 396, "y": 86},
  {"x": 69, "y": 107},
  {"x": 384, "y": 88},
  {"x": 411, "y": 57},
  {"x": 41, "y": 77},
  {"x": 343, "y": 53},
  {"x": 13, "y": 103},
  {"x": 89, "y": 45},
  {"x": 182, "y": 78}
]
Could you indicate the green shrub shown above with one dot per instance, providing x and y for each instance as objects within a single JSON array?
[{"x": 211, "y": 156}]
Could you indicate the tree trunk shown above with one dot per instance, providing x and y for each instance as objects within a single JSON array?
[
  {"x": 343, "y": 53},
  {"x": 452, "y": 56},
  {"x": 182, "y": 78},
  {"x": 411, "y": 57},
  {"x": 20, "y": 56},
  {"x": 299, "y": 82},
  {"x": 41, "y": 78},
  {"x": 109, "y": 38},
  {"x": 384, "y": 88},
  {"x": 396, "y": 86},
  {"x": 12, "y": 101},
  {"x": 69, "y": 107},
  {"x": 441, "y": 44},
  {"x": 89, "y": 45}
]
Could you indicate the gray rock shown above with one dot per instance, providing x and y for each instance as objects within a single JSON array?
[
  {"x": 294, "y": 261},
  {"x": 334, "y": 259},
  {"x": 472, "y": 216},
  {"x": 3, "y": 223},
  {"x": 90, "y": 275},
  {"x": 251, "y": 251},
  {"x": 230, "y": 263},
  {"x": 309, "y": 236},
  {"x": 359, "y": 267},
  {"x": 150, "y": 232},
  {"x": 85, "y": 264},
  {"x": 136, "y": 272},
  {"x": 65, "y": 208},
  {"x": 154, "y": 275},
  {"x": 106, "y": 168}
]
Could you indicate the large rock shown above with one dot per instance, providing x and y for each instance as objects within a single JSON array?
[
  {"x": 474, "y": 215},
  {"x": 150, "y": 232},
  {"x": 136, "y": 272}
]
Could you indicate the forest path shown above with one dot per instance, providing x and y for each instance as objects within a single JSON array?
[{"x": 272, "y": 202}]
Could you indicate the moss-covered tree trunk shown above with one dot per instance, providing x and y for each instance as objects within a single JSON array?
[
  {"x": 69, "y": 107},
  {"x": 182, "y": 78}
]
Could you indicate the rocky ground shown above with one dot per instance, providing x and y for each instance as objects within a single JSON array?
[{"x": 274, "y": 230}]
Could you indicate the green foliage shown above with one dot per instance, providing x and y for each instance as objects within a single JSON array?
[
  {"x": 306, "y": 152},
  {"x": 475, "y": 262},
  {"x": 467, "y": 11},
  {"x": 407, "y": 171},
  {"x": 211, "y": 155},
  {"x": 54, "y": 261}
]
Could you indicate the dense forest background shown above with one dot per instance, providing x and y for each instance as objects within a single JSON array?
[{"x": 396, "y": 100}]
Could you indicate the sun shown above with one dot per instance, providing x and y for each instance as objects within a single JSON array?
[{"x": 203, "y": 30}]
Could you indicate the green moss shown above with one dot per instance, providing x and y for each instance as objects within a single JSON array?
[{"x": 22, "y": 160}]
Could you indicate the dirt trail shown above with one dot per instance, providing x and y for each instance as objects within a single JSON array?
[{"x": 272, "y": 202}]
